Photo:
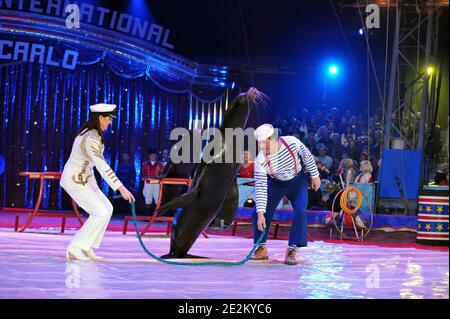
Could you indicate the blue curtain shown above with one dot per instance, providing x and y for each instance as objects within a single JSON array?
[
  {"x": 42, "y": 109},
  {"x": 400, "y": 169}
]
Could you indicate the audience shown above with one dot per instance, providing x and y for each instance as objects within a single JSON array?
[
  {"x": 165, "y": 157},
  {"x": 323, "y": 156},
  {"x": 324, "y": 173},
  {"x": 445, "y": 181},
  {"x": 339, "y": 139},
  {"x": 345, "y": 134},
  {"x": 352, "y": 150},
  {"x": 247, "y": 168},
  {"x": 336, "y": 149},
  {"x": 365, "y": 175},
  {"x": 441, "y": 176},
  {"x": 151, "y": 168}
]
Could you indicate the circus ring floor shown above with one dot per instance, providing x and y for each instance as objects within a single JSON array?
[{"x": 32, "y": 265}]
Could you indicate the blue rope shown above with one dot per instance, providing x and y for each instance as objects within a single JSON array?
[{"x": 206, "y": 263}]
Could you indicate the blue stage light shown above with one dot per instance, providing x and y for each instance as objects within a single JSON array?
[
  {"x": 361, "y": 31},
  {"x": 333, "y": 70},
  {"x": 139, "y": 9}
]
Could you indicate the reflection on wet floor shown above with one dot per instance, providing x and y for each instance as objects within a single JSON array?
[{"x": 32, "y": 265}]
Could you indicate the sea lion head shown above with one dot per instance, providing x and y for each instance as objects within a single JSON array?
[{"x": 252, "y": 96}]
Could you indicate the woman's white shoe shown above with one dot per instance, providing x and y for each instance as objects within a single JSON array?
[
  {"x": 76, "y": 253},
  {"x": 92, "y": 255}
]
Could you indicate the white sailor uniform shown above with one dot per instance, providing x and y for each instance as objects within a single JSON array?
[{"x": 79, "y": 182}]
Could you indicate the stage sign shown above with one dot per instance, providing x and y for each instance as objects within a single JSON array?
[
  {"x": 35, "y": 52},
  {"x": 86, "y": 13}
]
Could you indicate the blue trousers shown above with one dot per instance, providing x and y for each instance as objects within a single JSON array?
[{"x": 296, "y": 191}]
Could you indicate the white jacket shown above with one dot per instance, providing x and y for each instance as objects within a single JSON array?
[{"x": 87, "y": 152}]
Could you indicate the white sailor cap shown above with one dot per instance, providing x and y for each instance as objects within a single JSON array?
[
  {"x": 106, "y": 109},
  {"x": 263, "y": 132}
]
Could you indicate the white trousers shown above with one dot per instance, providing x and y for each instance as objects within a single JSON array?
[
  {"x": 100, "y": 209},
  {"x": 151, "y": 193}
]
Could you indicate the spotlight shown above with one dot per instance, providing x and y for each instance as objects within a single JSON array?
[
  {"x": 430, "y": 70},
  {"x": 361, "y": 31},
  {"x": 333, "y": 70}
]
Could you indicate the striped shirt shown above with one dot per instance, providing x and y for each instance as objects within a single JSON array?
[{"x": 283, "y": 167}]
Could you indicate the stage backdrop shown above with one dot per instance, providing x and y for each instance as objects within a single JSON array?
[
  {"x": 51, "y": 72},
  {"x": 42, "y": 108}
]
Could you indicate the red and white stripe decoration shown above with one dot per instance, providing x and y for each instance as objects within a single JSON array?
[
  {"x": 432, "y": 218},
  {"x": 432, "y": 236},
  {"x": 433, "y": 200}
]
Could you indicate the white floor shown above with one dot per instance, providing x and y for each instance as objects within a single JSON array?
[{"x": 32, "y": 265}]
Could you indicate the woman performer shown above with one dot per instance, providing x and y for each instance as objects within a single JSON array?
[{"x": 79, "y": 182}]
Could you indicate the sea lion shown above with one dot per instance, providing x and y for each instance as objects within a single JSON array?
[
  {"x": 170, "y": 192},
  {"x": 214, "y": 185},
  {"x": 187, "y": 170}
]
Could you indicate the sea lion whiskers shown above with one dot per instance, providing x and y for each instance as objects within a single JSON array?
[{"x": 257, "y": 97}]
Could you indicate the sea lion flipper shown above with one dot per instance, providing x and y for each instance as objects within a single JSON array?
[
  {"x": 197, "y": 173},
  {"x": 179, "y": 202},
  {"x": 230, "y": 204},
  {"x": 168, "y": 169}
]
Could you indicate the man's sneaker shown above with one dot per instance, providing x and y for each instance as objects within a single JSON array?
[
  {"x": 290, "y": 256},
  {"x": 260, "y": 253}
]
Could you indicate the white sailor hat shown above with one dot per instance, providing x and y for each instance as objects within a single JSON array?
[
  {"x": 263, "y": 132},
  {"x": 105, "y": 109}
]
